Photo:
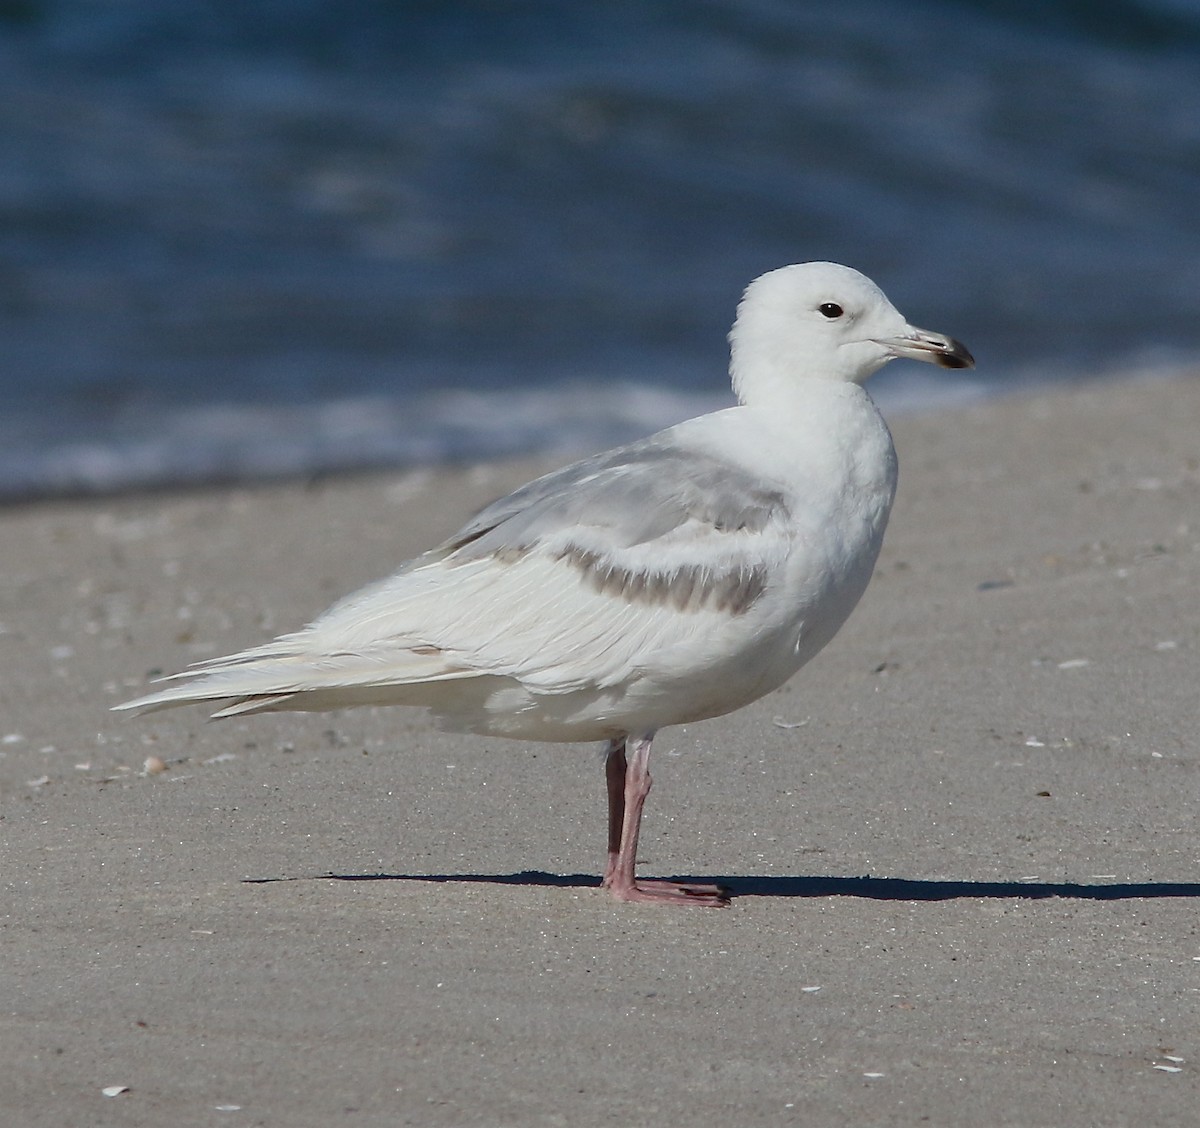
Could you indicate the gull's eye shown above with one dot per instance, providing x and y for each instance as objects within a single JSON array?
[{"x": 831, "y": 310}]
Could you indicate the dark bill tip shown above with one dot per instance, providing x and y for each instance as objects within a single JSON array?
[{"x": 954, "y": 355}]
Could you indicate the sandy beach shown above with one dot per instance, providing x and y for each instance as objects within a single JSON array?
[{"x": 962, "y": 842}]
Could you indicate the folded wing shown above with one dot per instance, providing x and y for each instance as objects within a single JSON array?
[{"x": 645, "y": 555}]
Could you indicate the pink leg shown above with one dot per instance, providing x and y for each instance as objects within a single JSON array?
[
  {"x": 628, "y": 786},
  {"x": 615, "y": 768}
]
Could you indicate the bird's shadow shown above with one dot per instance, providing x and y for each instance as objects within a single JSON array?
[{"x": 871, "y": 888}]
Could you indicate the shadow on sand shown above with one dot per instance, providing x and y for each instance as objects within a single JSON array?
[{"x": 872, "y": 888}]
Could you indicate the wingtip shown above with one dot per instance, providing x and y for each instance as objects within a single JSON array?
[{"x": 128, "y": 706}]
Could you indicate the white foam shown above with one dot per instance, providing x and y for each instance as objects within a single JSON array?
[{"x": 245, "y": 442}]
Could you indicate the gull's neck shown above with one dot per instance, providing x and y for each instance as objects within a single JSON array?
[
  {"x": 792, "y": 393},
  {"x": 772, "y": 377}
]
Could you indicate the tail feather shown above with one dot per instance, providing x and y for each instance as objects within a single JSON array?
[
  {"x": 269, "y": 677},
  {"x": 244, "y": 705}
]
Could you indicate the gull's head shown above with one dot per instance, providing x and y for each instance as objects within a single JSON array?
[{"x": 819, "y": 320}]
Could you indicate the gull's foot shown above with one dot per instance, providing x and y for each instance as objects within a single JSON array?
[{"x": 669, "y": 893}]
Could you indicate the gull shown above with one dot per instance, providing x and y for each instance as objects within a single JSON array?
[{"x": 667, "y": 581}]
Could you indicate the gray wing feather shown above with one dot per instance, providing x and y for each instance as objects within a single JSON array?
[{"x": 636, "y": 493}]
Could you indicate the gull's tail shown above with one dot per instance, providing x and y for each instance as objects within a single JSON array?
[{"x": 287, "y": 674}]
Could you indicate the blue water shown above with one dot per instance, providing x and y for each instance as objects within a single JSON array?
[{"x": 292, "y": 236}]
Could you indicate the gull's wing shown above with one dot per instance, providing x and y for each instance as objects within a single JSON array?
[
  {"x": 572, "y": 580},
  {"x": 628, "y": 496}
]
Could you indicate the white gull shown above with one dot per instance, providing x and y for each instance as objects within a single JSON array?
[{"x": 667, "y": 581}]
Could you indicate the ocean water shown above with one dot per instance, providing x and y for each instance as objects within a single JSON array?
[{"x": 297, "y": 236}]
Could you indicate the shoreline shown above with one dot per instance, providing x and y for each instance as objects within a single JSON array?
[
  {"x": 218, "y": 447},
  {"x": 968, "y": 823}
]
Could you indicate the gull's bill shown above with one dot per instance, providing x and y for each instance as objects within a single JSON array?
[{"x": 936, "y": 348}]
